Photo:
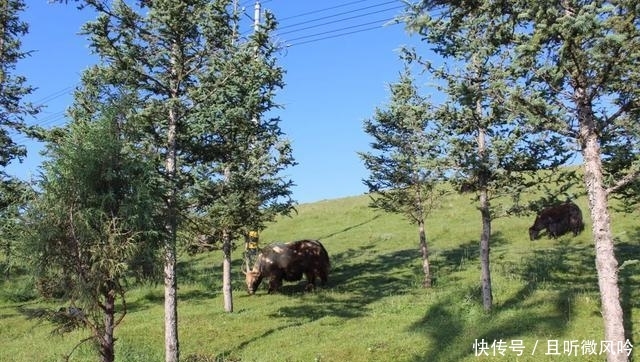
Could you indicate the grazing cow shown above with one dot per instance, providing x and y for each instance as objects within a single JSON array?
[
  {"x": 558, "y": 220},
  {"x": 289, "y": 262}
]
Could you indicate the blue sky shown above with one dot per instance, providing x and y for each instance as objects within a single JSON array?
[{"x": 332, "y": 85}]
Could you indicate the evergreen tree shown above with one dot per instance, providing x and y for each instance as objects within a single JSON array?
[
  {"x": 95, "y": 216},
  {"x": 579, "y": 62},
  {"x": 407, "y": 165},
  {"x": 176, "y": 56},
  {"x": 12, "y": 87},
  {"x": 573, "y": 70},
  {"x": 13, "y": 109},
  {"x": 161, "y": 49},
  {"x": 239, "y": 185},
  {"x": 493, "y": 152}
]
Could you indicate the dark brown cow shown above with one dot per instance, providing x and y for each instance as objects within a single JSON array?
[
  {"x": 558, "y": 220},
  {"x": 289, "y": 262}
]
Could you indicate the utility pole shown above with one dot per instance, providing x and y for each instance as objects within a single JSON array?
[
  {"x": 256, "y": 26},
  {"x": 256, "y": 16},
  {"x": 251, "y": 238}
]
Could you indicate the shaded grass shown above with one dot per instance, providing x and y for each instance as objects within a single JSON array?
[{"x": 373, "y": 308}]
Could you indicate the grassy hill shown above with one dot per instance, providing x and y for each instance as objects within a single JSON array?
[{"x": 373, "y": 309}]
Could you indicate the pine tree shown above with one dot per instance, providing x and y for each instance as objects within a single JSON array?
[
  {"x": 177, "y": 56},
  {"x": 493, "y": 151},
  {"x": 13, "y": 110},
  {"x": 95, "y": 216},
  {"x": 580, "y": 66},
  {"x": 407, "y": 164},
  {"x": 573, "y": 71},
  {"x": 240, "y": 185},
  {"x": 12, "y": 87},
  {"x": 160, "y": 49}
]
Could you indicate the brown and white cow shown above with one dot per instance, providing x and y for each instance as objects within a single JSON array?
[
  {"x": 280, "y": 261},
  {"x": 558, "y": 220}
]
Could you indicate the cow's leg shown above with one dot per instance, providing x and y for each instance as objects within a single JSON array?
[
  {"x": 274, "y": 285},
  {"x": 323, "y": 277},
  {"x": 311, "y": 281},
  {"x": 552, "y": 229}
]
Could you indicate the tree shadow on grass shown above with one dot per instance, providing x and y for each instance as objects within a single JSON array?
[
  {"x": 451, "y": 324},
  {"x": 458, "y": 320},
  {"x": 446, "y": 262},
  {"x": 567, "y": 268},
  {"x": 348, "y": 228}
]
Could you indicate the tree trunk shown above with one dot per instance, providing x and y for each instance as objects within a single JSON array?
[
  {"x": 170, "y": 279},
  {"x": 485, "y": 236},
  {"x": 485, "y": 212},
  {"x": 227, "y": 290},
  {"x": 3, "y": 36},
  {"x": 606, "y": 263},
  {"x": 107, "y": 350},
  {"x": 425, "y": 255}
]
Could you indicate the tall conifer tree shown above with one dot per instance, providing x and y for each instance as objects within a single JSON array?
[
  {"x": 160, "y": 49},
  {"x": 193, "y": 82},
  {"x": 406, "y": 164},
  {"x": 95, "y": 216},
  {"x": 13, "y": 110},
  {"x": 573, "y": 70},
  {"x": 493, "y": 151},
  {"x": 239, "y": 184},
  {"x": 579, "y": 62}
]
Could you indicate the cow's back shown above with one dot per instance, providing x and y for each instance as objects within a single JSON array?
[
  {"x": 311, "y": 259},
  {"x": 272, "y": 257},
  {"x": 558, "y": 220}
]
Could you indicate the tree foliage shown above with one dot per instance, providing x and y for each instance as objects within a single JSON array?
[
  {"x": 407, "y": 161},
  {"x": 13, "y": 110},
  {"x": 239, "y": 182},
  {"x": 579, "y": 64},
  {"x": 239, "y": 151},
  {"x": 565, "y": 70},
  {"x": 13, "y": 88},
  {"x": 160, "y": 50},
  {"x": 493, "y": 151},
  {"x": 95, "y": 217},
  {"x": 198, "y": 89},
  {"x": 407, "y": 164}
]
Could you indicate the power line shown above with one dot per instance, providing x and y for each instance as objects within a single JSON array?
[
  {"x": 340, "y": 20},
  {"x": 338, "y": 14},
  {"x": 54, "y": 95},
  {"x": 379, "y": 22},
  {"x": 322, "y": 10},
  {"x": 299, "y": 28},
  {"x": 339, "y": 35}
]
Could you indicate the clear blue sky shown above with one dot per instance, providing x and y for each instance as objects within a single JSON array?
[{"x": 332, "y": 84}]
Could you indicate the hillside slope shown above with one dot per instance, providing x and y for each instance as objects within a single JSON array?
[{"x": 373, "y": 309}]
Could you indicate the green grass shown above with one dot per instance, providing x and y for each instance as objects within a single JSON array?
[{"x": 373, "y": 308}]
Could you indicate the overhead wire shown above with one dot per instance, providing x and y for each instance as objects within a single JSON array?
[
  {"x": 336, "y": 35},
  {"x": 291, "y": 42},
  {"x": 322, "y": 10},
  {"x": 344, "y": 13},
  {"x": 342, "y": 31},
  {"x": 379, "y": 22},
  {"x": 339, "y": 20}
]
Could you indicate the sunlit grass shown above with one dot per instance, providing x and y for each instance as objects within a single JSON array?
[{"x": 373, "y": 308}]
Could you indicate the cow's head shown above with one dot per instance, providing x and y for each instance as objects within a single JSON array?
[
  {"x": 533, "y": 233},
  {"x": 253, "y": 279}
]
